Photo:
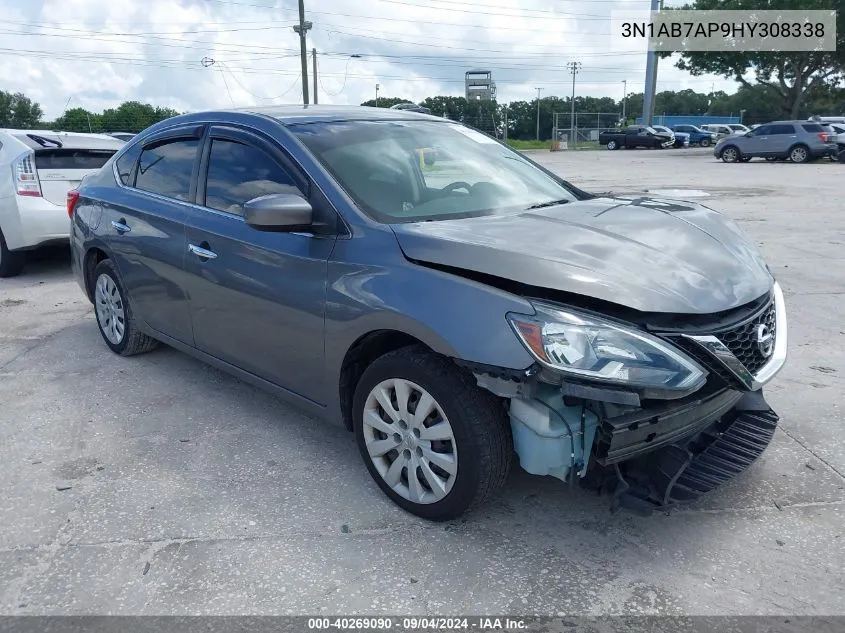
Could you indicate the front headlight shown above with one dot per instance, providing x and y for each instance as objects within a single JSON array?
[{"x": 593, "y": 348}]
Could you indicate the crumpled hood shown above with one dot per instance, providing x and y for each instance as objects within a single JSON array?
[{"x": 648, "y": 254}]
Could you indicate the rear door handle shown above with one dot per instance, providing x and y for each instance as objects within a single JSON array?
[
  {"x": 120, "y": 226},
  {"x": 202, "y": 253}
]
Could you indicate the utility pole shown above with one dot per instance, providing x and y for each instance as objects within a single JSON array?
[
  {"x": 573, "y": 68},
  {"x": 505, "y": 133},
  {"x": 538, "y": 113},
  {"x": 376, "y": 95},
  {"x": 650, "y": 76},
  {"x": 314, "y": 59},
  {"x": 302, "y": 28},
  {"x": 624, "y": 100}
]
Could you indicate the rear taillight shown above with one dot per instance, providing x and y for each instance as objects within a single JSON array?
[
  {"x": 72, "y": 198},
  {"x": 26, "y": 177},
  {"x": 823, "y": 137}
]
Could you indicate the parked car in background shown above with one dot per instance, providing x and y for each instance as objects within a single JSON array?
[
  {"x": 37, "y": 168},
  {"x": 798, "y": 141},
  {"x": 839, "y": 142},
  {"x": 697, "y": 136},
  {"x": 123, "y": 136},
  {"x": 679, "y": 139},
  {"x": 635, "y": 136},
  {"x": 739, "y": 128},
  {"x": 722, "y": 130},
  {"x": 280, "y": 245},
  {"x": 411, "y": 107}
]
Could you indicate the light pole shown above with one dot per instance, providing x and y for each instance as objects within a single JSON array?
[
  {"x": 376, "y": 95},
  {"x": 538, "y": 113},
  {"x": 650, "y": 77},
  {"x": 624, "y": 100},
  {"x": 741, "y": 114},
  {"x": 573, "y": 68},
  {"x": 302, "y": 28}
]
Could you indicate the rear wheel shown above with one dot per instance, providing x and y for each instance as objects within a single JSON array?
[
  {"x": 11, "y": 263},
  {"x": 705, "y": 142},
  {"x": 840, "y": 154},
  {"x": 612, "y": 145},
  {"x": 434, "y": 442},
  {"x": 799, "y": 154},
  {"x": 114, "y": 314}
]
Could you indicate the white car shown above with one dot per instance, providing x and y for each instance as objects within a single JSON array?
[
  {"x": 679, "y": 139},
  {"x": 37, "y": 169},
  {"x": 723, "y": 130}
]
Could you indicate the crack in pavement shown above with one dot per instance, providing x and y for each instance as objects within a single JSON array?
[{"x": 813, "y": 453}]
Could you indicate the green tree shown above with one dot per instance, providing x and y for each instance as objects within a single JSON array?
[
  {"x": 19, "y": 111},
  {"x": 385, "y": 102},
  {"x": 78, "y": 120},
  {"x": 789, "y": 75},
  {"x": 133, "y": 116}
]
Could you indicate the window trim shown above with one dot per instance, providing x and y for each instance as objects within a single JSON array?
[
  {"x": 191, "y": 131},
  {"x": 238, "y": 135}
]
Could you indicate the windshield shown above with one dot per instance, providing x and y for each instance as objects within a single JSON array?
[
  {"x": 411, "y": 171},
  {"x": 651, "y": 129}
]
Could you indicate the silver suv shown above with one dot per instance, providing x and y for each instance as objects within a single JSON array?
[{"x": 798, "y": 141}]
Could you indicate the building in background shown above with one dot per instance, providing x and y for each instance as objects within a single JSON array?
[{"x": 480, "y": 85}]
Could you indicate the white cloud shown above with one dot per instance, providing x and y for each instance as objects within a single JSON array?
[{"x": 99, "y": 53}]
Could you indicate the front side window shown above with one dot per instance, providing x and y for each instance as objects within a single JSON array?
[
  {"x": 763, "y": 130},
  {"x": 238, "y": 173},
  {"x": 166, "y": 168},
  {"x": 409, "y": 171}
]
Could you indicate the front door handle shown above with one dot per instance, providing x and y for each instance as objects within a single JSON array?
[
  {"x": 120, "y": 226},
  {"x": 202, "y": 253}
]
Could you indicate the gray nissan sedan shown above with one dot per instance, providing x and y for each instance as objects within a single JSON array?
[{"x": 448, "y": 300}]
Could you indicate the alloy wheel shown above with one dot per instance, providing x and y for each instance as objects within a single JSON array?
[
  {"x": 110, "y": 313},
  {"x": 410, "y": 441},
  {"x": 730, "y": 155},
  {"x": 798, "y": 155}
]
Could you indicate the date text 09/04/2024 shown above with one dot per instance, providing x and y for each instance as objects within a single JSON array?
[
  {"x": 386, "y": 623},
  {"x": 723, "y": 29}
]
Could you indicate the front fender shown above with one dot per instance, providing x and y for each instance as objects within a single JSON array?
[{"x": 454, "y": 316}]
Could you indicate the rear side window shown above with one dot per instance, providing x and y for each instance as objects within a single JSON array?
[
  {"x": 814, "y": 128},
  {"x": 238, "y": 173},
  {"x": 166, "y": 168},
  {"x": 57, "y": 158},
  {"x": 783, "y": 129},
  {"x": 126, "y": 164}
]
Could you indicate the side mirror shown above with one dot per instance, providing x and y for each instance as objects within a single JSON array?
[{"x": 280, "y": 212}]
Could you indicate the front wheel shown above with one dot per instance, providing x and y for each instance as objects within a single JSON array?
[
  {"x": 840, "y": 154},
  {"x": 11, "y": 262},
  {"x": 611, "y": 145},
  {"x": 434, "y": 442}
]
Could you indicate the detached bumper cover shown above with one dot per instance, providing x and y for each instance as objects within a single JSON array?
[
  {"x": 684, "y": 471},
  {"x": 626, "y": 436}
]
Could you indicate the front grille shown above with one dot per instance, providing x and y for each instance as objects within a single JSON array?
[{"x": 742, "y": 340}]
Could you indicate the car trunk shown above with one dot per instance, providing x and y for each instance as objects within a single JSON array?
[{"x": 62, "y": 169}]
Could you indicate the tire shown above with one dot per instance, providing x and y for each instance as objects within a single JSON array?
[
  {"x": 479, "y": 448},
  {"x": 11, "y": 262},
  {"x": 730, "y": 154},
  {"x": 113, "y": 310},
  {"x": 840, "y": 155},
  {"x": 799, "y": 154},
  {"x": 705, "y": 142},
  {"x": 612, "y": 145}
]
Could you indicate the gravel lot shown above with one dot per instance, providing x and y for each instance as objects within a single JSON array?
[{"x": 156, "y": 485}]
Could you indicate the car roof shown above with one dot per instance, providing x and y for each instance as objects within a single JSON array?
[
  {"x": 292, "y": 114},
  {"x": 70, "y": 140}
]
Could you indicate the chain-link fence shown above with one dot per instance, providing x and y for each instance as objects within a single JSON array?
[{"x": 585, "y": 134}]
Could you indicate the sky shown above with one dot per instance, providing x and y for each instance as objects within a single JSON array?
[{"x": 200, "y": 54}]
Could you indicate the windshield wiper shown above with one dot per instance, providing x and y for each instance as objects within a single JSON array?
[{"x": 550, "y": 203}]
